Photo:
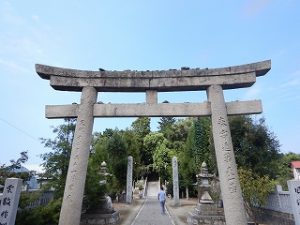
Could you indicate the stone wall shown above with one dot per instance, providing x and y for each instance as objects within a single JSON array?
[
  {"x": 277, "y": 210},
  {"x": 270, "y": 217},
  {"x": 279, "y": 201},
  {"x": 42, "y": 200}
]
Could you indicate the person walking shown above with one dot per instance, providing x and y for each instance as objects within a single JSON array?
[{"x": 162, "y": 200}]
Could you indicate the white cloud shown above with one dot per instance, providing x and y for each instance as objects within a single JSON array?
[
  {"x": 253, "y": 92},
  {"x": 35, "y": 18},
  {"x": 13, "y": 67},
  {"x": 36, "y": 167},
  {"x": 254, "y": 7},
  {"x": 24, "y": 41},
  {"x": 8, "y": 15},
  {"x": 294, "y": 81}
]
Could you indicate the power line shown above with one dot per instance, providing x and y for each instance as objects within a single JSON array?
[{"x": 19, "y": 129}]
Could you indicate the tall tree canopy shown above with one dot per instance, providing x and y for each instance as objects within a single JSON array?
[
  {"x": 190, "y": 139},
  {"x": 151, "y": 142},
  {"x": 177, "y": 134},
  {"x": 165, "y": 123},
  {"x": 10, "y": 170},
  {"x": 55, "y": 166},
  {"x": 255, "y": 147},
  {"x": 56, "y": 162},
  {"x": 198, "y": 149},
  {"x": 285, "y": 172},
  {"x": 141, "y": 128},
  {"x": 111, "y": 148}
]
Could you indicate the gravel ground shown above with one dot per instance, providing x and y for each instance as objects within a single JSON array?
[{"x": 179, "y": 214}]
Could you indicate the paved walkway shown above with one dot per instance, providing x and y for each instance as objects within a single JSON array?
[{"x": 149, "y": 214}]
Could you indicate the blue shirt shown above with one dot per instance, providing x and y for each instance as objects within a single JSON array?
[{"x": 162, "y": 196}]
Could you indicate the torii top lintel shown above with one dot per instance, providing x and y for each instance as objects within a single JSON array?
[{"x": 160, "y": 80}]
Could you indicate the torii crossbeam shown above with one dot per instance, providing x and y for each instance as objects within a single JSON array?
[{"x": 214, "y": 81}]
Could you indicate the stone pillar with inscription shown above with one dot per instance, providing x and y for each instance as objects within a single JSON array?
[
  {"x": 294, "y": 189},
  {"x": 175, "y": 181},
  {"x": 10, "y": 201},
  {"x": 72, "y": 202},
  {"x": 129, "y": 180},
  {"x": 231, "y": 191}
]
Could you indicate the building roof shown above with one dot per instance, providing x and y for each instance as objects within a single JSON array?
[
  {"x": 22, "y": 169},
  {"x": 295, "y": 164}
]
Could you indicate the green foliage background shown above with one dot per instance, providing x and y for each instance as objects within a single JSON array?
[{"x": 256, "y": 148}]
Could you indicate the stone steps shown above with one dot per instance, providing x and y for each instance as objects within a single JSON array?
[{"x": 153, "y": 188}]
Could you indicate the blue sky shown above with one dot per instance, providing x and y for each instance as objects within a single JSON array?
[{"x": 143, "y": 35}]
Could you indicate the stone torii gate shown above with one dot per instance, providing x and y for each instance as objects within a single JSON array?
[{"x": 214, "y": 81}]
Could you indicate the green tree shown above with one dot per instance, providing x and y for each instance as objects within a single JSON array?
[
  {"x": 56, "y": 162},
  {"x": 198, "y": 148},
  {"x": 16, "y": 164},
  {"x": 284, "y": 168},
  {"x": 118, "y": 158},
  {"x": 255, "y": 147},
  {"x": 177, "y": 134},
  {"x": 111, "y": 148},
  {"x": 165, "y": 123},
  {"x": 94, "y": 191},
  {"x": 187, "y": 158},
  {"x": 133, "y": 149},
  {"x": 56, "y": 166},
  {"x": 141, "y": 128},
  {"x": 154, "y": 145},
  {"x": 203, "y": 147},
  {"x": 162, "y": 160},
  {"x": 10, "y": 171},
  {"x": 255, "y": 189},
  {"x": 151, "y": 142},
  {"x": 42, "y": 215}
]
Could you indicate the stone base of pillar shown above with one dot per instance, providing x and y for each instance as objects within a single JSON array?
[
  {"x": 206, "y": 214},
  {"x": 103, "y": 219}
]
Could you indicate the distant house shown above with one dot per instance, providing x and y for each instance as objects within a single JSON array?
[
  {"x": 29, "y": 184},
  {"x": 295, "y": 165},
  {"x": 22, "y": 169}
]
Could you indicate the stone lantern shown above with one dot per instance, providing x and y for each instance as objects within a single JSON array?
[
  {"x": 103, "y": 168},
  {"x": 103, "y": 172},
  {"x": 203, "y": 185},
  {"x": 103, "y": 213},
  {"x": 206, "y": 211}
]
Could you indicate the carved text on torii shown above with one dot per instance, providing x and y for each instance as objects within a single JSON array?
[{"x": 227, "y": 154}]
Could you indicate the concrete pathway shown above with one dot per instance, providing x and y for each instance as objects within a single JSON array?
[{"x": 149, "y": 214}]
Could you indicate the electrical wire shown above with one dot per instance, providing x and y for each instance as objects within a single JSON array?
[{"x": 19, "y": 129}]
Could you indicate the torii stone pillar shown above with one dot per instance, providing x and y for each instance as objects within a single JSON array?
[
  {"x": 175, "y": 181},
  {"x": 129, "y": 180},
  {"x": 72, "y": 202},
  {"x": 230, "y": 186}
]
